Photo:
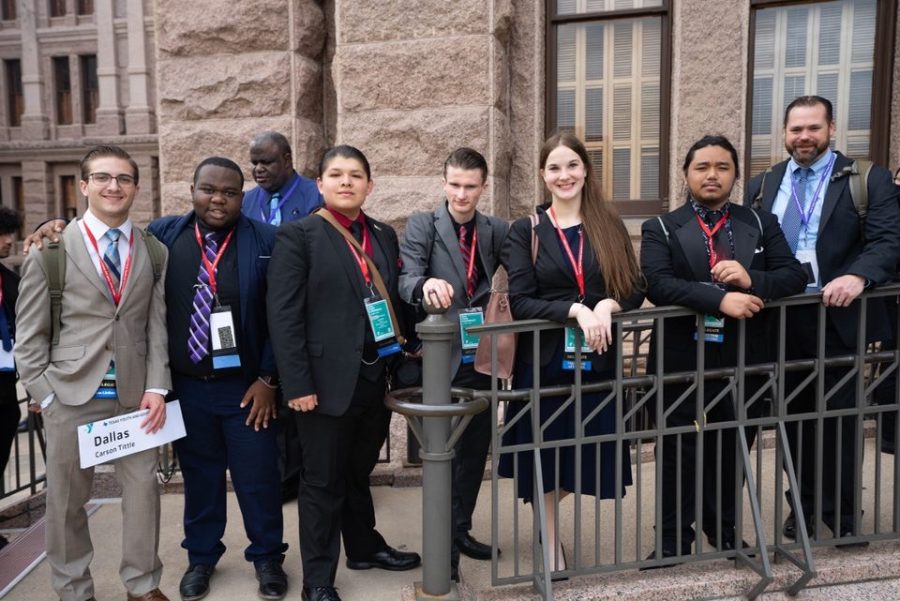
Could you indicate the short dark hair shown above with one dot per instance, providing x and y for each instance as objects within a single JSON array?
[
  {"x": 219, "y": 162},
  {"x": 467, "y": 159},
  {"x": 284, "y": 147},
  {"x": 10, "y": 221},
  {"x": 712, "y": 140},
  {"x": 810, "y": 100},
  {"x": 99, "y": 152},
  {"x": 348, "y": 152}
]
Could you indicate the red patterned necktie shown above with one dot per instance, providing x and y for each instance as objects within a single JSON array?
[{"x": 466, "y": 249}]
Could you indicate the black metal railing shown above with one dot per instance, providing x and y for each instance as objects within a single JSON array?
[
  {"x": 25, "y": 470},
  {"x": 752, "y": 442}
]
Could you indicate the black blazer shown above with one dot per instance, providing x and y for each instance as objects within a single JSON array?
[
  {"x": 844, "y": 250},
  {"x": 10, "y": 296},
  {"x": 316, "y": 313},
  {"x": 676, "y": 267},
  {"x": 547, "y": 288},
  {"x": 254, "y": 242}
]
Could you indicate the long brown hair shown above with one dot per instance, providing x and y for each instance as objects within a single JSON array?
[{"x": 604, "y": 228}]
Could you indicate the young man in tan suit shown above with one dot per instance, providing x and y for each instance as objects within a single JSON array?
[{"x": 111, "y": 358}]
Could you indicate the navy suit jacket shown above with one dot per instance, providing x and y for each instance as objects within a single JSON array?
[
  {"x": 843, "y": 248},
  {"x": 303, "y": 200},
  {"x": 254, "y": 247}
]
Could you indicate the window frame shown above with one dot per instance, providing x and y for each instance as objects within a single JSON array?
[
  {"x": 90, "y": 96},
  {"x": 15, "y": 93},
  {"x": 64, "y": 100},
  {"x": 882, "y": 74},
  {"x": 631, "y": 207}
]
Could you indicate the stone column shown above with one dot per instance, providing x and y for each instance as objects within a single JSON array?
[
  {"x": 412, "y": 85},
  {"x": 708, "y": 96},
  {"x": 109, "y": 113},
  {"x": 35, "y": 124},
  {"x": 222, "y": 80},
  {"x": 139, "y": 116},
  {"x": 39, "y": 190}
]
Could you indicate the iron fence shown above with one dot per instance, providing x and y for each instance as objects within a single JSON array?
[
  {"x": 757, "y": 448},
  {"x": 25, "y": 473}
]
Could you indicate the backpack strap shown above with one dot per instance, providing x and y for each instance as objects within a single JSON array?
[
  {"x": 662, "y": 224},
  {"x": 157, "y": 252},
  {"x": 859, "y": 190},
  {"x": 535, "y": 243},
  {"x": 54, "y": 256},
  {"x": 758, "y": 220},
  {"x": 756, "y": 203}
]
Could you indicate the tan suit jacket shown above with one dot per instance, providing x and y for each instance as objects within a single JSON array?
[{"x": 92, "y": 328}]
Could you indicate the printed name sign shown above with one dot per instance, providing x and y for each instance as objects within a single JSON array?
[{"x": 119, "y": 436}]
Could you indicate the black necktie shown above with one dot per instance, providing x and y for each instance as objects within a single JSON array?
[{"x": 356, "y": 228}]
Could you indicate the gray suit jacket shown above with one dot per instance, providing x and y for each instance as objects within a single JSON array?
[
  {"x": 430, "y": 249},
  {"x": 92, "y": 328}
]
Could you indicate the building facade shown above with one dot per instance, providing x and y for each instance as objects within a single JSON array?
[{"x": 409, "y": 80}]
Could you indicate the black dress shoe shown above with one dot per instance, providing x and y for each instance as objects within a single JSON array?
[
  {"x": 728, "y": 545},
  {"x": 667, "y": 551},
  {"x": 387, "y": 559},
  {"x": 319, "y": 593},
  {"x": 454, "y": 573},
  {"x": 470, "y": 547},
  {"x": 195, "y": 582},
  {"x": 272, "y": 579}
]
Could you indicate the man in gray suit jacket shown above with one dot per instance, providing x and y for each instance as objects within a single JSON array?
[
  {"x": 111, "y": 358},
  {"x": 449, "y": 258}
]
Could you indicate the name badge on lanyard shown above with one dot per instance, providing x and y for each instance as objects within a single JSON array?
[
  {"x": 571, "y": 336},
  {"x": 222, "y": 332},
  {"x": 472, "y": 316},
  {"x": 714, "y": 327},
  {"x": 810, "y": 264},
  {"x": 107, "y": 388},
  {"x": 377, "y": 309}
]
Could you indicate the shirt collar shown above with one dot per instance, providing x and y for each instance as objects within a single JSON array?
[
  {"x": 99, "y": 229},
  {"x": 816, "y": 167},
  {"x": 346, "y": 221},
  {"x": 456, "y": 224}
]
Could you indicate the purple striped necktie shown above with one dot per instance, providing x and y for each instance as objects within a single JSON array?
[{"x": 198, "y": 338}]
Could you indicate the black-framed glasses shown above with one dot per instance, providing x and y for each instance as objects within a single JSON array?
[{"x": 124, "y": 180}]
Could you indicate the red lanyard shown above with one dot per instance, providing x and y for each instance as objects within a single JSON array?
[
  {"x": 363, "y": 266},
  {"x": 211, "y": 267},
  {"x": 713, "y": 255},
  {"x": 470, "y": 271},
  {"x": 579, "y": 266},
  {"x": 116, "y": 294}
]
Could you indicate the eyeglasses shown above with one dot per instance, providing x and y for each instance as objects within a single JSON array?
[
  {"x": 124, "y": 180},
  {"x": 227, "y": 194}
]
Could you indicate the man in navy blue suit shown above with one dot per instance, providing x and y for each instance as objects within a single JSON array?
[
  {"x": 282, "y": 195},
  {"x": 843, "y": 254},
  {"x": 223, "y": 372}
]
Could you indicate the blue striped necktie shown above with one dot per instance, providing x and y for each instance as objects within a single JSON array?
[
  {"x": 792, "y": 223},
  {"x": 198, "y": 336},
  {"x": 111, "y": 256}
]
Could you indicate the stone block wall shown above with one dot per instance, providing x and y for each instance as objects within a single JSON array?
[{"x": 225, "y": 73}]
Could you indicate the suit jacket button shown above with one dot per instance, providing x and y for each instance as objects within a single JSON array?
[{"x": 117, "y": 318}]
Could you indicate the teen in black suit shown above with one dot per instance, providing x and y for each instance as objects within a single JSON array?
[
  {"x": 850, "y": 258},
  {"x": 577, "y": 223},
  {"x": 333, "y": 370},
  {"x": 725, "y": 261}
]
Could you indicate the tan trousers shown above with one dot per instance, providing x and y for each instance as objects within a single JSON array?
[{"x": 69, "y": 548}]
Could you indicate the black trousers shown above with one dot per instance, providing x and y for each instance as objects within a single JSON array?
[
  {"x": 337, "y": 456},
  {"x": 801, "y": 344},
  {"x": 471, "y": 454},
  {"x": 719, "y": 468},
  {"x": 10, "y": 415}
]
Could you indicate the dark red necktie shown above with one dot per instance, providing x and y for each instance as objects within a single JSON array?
[{"x": 466, "y": 249}]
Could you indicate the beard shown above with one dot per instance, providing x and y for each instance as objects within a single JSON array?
[{"x": 807, "y": 157}]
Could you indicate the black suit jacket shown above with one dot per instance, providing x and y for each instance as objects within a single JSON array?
[
  {"x": 10, "y": 296},
  {"x": 842, "y": 248},
  {"x": 547, "y": 288},
  {"x": 316, "y": 314},
  {"x": 254, "y": 242},
  {"x": 677, "y": 271}
]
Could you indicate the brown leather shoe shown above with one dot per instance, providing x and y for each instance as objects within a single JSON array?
[{"x": 154, "y": 595}]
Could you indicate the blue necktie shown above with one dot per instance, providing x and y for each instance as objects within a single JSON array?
[
  {"x": 274, "y": 209},
  {"x": 5, "y": 334},
  {"x": 198, "y": 335},
  {"x": 792, "y": 223},
  {"x": 111, "y": 256}
]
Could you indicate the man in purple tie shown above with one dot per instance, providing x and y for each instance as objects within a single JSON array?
[
  {"x": 844, "y": 251},
  {"x": 223, "y": 372}
]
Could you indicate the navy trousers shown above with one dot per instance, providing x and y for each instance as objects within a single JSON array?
[{"x": 218, "y": 439}]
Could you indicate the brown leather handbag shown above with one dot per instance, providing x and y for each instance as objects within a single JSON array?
[{"x": 497, "y": 311}]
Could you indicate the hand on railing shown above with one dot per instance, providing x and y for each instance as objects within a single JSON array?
[
  {"x": 843, "y": 290},
  {"x": 739, "y": 305},
  {"x": 597, "y": 330},
  {"x": 437, "y": 293}
]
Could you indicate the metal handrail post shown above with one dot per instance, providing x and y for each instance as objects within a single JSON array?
[{"x": 436, "y": 333}]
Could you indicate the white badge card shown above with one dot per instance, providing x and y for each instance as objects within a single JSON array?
[
  {"x": 119, "y": 436},
  {"x": 568, "y": 362},
  {"x": 473, "y": 316},
  {"x": 810, "y": 263},
  {"x": 7, "y": 361},
  {"x": 222, "y": 332},
  {"x": 714, "y": 329}
]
